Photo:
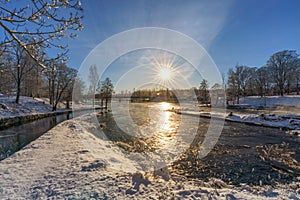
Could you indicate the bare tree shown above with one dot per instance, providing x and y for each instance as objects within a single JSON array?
[
  {"x": 297, "y": 76},
  {"x": 93, "y": 78},
  {"x": 262, "y": 81},
  {"x": 78, "y": 90},
  {"x": 250, "y": 85},
  {"x": 217, "y": 94},
  {"x": 238, "y": 81},
  {"x": 238, "y": 78},
  {"x": 280, "y": 65},
  {"x": 243, "y": 75},
  {"x": 70, "y": 78},
  {"x": 39, "y": 24},
  {"x": 6, "y": 79},
  {"x": 232, "y": 89},
  {"x": 32, "y": 83},
  {"x": 60, "y": 78},
  {"x": 234, "y": 83},
  {"x": 294, "y": 77},
  {"x": 21, "y": 65}
]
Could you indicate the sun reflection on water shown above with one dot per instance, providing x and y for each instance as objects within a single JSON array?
[
  {"x": 167, "y": 125},
  {"x": 165, "y": 106}
]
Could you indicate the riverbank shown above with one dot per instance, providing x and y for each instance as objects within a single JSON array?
[
  {"x": 26, "y": 106},
  {"x": 59, "y": 165},
  {"x": 6, "y": 122},
  {"x": 29, "y": 109},
  {"x": 288, "y": 122}
]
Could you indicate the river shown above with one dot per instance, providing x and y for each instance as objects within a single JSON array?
[{"x": 243, "y": 154}]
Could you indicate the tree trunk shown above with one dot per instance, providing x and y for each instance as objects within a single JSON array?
[
  {"x": 18, "y": 78},
  {"x": 297, "y": 86},
  {"x": 18, "y": 95},
  {"x": 101, "y": 101},
  {"x": 68, "y": 104},
  {"x": 54, "y": 107},
  {"x": 281, "y": 92},
  {"x": 49, "y": 92},
  {"x": 18, "y": 91},
  {"x": 238, "y": 99},
  {"x": 53, "y": 93},
  {"x": 261, "y": 92}
]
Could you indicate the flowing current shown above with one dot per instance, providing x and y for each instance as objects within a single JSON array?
[{"x": 243, "y": 153}]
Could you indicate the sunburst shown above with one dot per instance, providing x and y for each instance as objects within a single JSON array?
[
  {"x": 165, "y": 68},
  {"x": 165, "y": 74}
]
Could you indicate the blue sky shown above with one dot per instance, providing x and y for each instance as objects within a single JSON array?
[{"x": 247, "y": 32}]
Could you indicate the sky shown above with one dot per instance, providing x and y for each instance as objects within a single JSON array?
[
  {"x": 246, "y": 32},
  {"x": 231, "y": 32}
]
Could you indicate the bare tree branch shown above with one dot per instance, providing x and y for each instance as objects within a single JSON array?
[{"x": 41, "y": 23}]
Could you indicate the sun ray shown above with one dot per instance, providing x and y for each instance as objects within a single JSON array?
[{"x": 166, "y": 69}]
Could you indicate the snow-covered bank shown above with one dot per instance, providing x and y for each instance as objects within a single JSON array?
[
  {"x": 272, "y": 101},
  {"x": 26, "y": 106},
  {"x": 289, "y": 104},
  {"x": 30, "y": 109},
  {"x": 7, "y": 122},
  {"x": 59, "y": 165},
  {"x": 286, "y": 122}
]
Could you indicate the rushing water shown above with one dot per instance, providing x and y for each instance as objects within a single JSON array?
[
  {"x": 243, "y": 153},
  {"x": 151, "y": 126}
]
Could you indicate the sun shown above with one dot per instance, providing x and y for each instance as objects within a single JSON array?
[
  {"x": 165, "y": 69},
  {"x": 165, "y": 74}
]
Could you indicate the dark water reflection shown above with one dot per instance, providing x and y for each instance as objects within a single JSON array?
[{"x": 16, "y": 137}]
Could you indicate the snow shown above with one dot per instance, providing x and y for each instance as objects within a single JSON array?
[
  {"x": 289, "y": 122},
  {"x": 26, "y": 106},
  {"x": 59, "y": 165},
  {"x": 284, "y": 113},
  {"x": 272, "y": 101},
  {"x": 30, "y": 106},
  {"x": 271, "y": 120}
]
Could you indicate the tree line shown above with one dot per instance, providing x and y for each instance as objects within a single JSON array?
[
  {"x": 21, "y": 75},
  {"x": 279, "y": 76},
  {"x": 153, "y": 95}
]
